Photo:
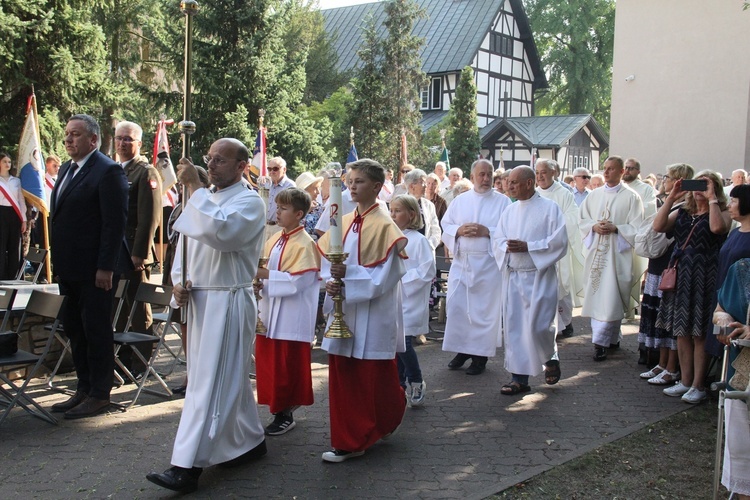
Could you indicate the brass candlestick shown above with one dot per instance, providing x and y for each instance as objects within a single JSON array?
[
  {"x": 338, "y": 328},
  {"x": 260, "y": 328}
]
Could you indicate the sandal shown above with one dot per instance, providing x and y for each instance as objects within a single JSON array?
[
  {"x": 514, "y": 388},
  {"x": 653, "y": 372},
  {"x": 665, "y": 378},
  {"x": 552, "y": 373}
]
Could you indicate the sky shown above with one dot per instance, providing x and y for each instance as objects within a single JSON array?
[{"x": 328, "y": 4}]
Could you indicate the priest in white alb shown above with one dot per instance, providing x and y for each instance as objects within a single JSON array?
[
  {"x": 609, "y": 221},
  {"x": 527, "y": 255},
  {"x": 219, "y": 422},
  {"x": 570, "y": 267},
  {"x": 473, "y": 318}
]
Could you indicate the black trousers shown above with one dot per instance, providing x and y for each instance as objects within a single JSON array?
[
  {"x": 10, "y": 243},
  {"x": 88, "y": 325}
]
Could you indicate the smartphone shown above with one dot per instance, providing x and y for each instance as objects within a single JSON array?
[{"x": 694, "y": 185}]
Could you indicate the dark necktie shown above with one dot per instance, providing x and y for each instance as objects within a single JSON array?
[{"x": 68, "y": 178}]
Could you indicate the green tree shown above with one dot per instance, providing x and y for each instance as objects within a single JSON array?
[
  {"x": 338, "y": 111},
  {"x": 463, "y": 132},
  {"x": 56, "y": 47},
  {"x": 575, "y": 41}
]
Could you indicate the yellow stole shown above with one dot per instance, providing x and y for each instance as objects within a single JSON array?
[
  {"x": 378, "y": 235},
  {"x": 298, "y": 252}
]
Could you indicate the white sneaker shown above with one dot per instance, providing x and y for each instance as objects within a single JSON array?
[
  {"x": 694, "y": 396},
  {"x": 408, "y": 391},
  {"x": 676, "y": 390},
  {"x": 337, "y": 456},
  {"x": 418, "y": 393}
]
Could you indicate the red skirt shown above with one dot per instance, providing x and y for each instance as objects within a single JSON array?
[
  {"x": 284, "y": 377},
  {"x": 366, "y": 400}
]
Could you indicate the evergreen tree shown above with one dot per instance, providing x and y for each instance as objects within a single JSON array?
[
  {"x": 55, "y": 46},
  {"x": 463, "y": 132}
]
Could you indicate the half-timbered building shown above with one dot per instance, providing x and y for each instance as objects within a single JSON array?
[{"x": 491, "y": 36}]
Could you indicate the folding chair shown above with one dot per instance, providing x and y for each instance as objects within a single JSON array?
[
  {"x": 7, "y": 296},
  {"x": 36, "y": 256},
  {"x": 65, "y": 342},
  {"x": 152, "y": 294},
  {"x": 163, "y": 324},
  {"x": 42, "y": 304}
]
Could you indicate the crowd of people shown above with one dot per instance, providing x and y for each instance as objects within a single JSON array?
[{"x": 608, "y": 249}]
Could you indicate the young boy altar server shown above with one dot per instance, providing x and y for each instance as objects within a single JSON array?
[
  {"x": 288, "y": 309},
  {"x": 366, "y": 401}
]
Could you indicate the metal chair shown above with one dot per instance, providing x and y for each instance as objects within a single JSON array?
[
  {"x": 7, "y": 296},
  {"x": 156, "y": 295},
  {"x": 163, "y": 324},
  {"x": 122, "y": 285},
  {"x": 42, "y": 304},
  {"x": 36, "y": 256}
]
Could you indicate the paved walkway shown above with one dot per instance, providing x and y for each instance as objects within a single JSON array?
[{"x": 467, "y": 441}]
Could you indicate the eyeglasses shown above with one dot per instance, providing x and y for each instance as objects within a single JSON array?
[
  {"x": 217, "y": 160},
  {"x": 632, "y": 168},
  {"x": 125, "y": 139},
  {"x": 584, "y": 176},
  {"x": 405, "y": 171},
  {"x": 274, "y": 169}
]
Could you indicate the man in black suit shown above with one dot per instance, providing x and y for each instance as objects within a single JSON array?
[{"x": 89, "y": 211}]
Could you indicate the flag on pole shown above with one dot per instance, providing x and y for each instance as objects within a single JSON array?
[
  {"x": 444, "y": 158},
  {"x": 32, "y": 169},
  {"x": 259, "y": 165},
  {"x": 404, "y": 154},
  {"x": 533, "y": 158},
  {"x": 352, "y": 156},
  {"x": 162, "y": 161}
]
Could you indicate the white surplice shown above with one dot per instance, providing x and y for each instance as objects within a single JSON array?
[
  {"x": 289, "y": 307},
  {"x": 609, "y": 271},
  {"x": 432, "y": 229},
  {"x": 372, "y": 302},
  {"x": 420, "y": 271},
  {"x": 219, "y": 419},
  {"x": 530, "y": 289},
  {"x": 640, "y": 264},
  {"x": 570, "y": 267},
  {"x": 474, "y": 281}
]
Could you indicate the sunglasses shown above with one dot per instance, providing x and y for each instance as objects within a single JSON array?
[
  {"x": 274, "y": 169},
  {"x": 584, "y": 176}
]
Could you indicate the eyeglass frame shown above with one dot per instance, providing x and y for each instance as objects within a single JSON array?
[{"x": 221, "y": 161}]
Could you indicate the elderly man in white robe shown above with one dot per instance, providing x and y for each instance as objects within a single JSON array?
[
  {"x": 570, "y": 267},
  {"x": 527, "y": 255},
  {"x": 609, "y": 221},
  {"x": 473, "y": 318},
  {"x": 219, "y": 422}
]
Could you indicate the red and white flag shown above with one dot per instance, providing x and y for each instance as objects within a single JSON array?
[{"x": 161, "y": 158}]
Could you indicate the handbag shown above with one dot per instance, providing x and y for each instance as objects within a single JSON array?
[
  {"x": 668, "y": 281},
  {"x": 8, "y": 343}
]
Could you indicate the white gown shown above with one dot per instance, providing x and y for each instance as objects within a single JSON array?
[
  {"x": 530, "y": 289},
  {"x": 420, "y": 270},
  {"x": 473, "y": 315},
  {"x": 219, "y": 419}
]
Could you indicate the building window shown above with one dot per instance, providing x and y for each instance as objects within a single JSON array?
[
  {"x": 436, "y": 92},
  {"x": 424, "y": 97},
  {"x": 501, "y": 44}
]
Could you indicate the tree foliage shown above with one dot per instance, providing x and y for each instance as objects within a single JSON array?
[
  {"x": 575, "y": 40},
  {"x": 463, "y": 138},
  {"x": 386, "y": 87}
]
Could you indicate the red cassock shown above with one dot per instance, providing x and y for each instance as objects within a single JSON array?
[
  {"x": 284, "y": 378},
  {"x": 366, "y": 401}
]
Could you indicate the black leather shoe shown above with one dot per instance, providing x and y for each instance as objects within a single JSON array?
[
  {"x": 614, "y": 346},
  {"x": 477, "y": 366},
  {"x": 177, "y": 479},
  {"x": 600, "y": 353},
  {"x": 71, "y": 403},
  {"x": 643, "y": 357},
  {"x": 254, "y": 454},
  {"x": 567, "y": 331},
  {"x": 458, "y": 361},
  {"x": 179, "y": 389},
  {"x": 89, "y": 408}
]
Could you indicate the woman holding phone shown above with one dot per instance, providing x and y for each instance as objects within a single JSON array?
[{"x": 699, "y": 227}]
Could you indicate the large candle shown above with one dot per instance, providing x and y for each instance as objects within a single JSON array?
[{"x": 336, "y": 241}]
